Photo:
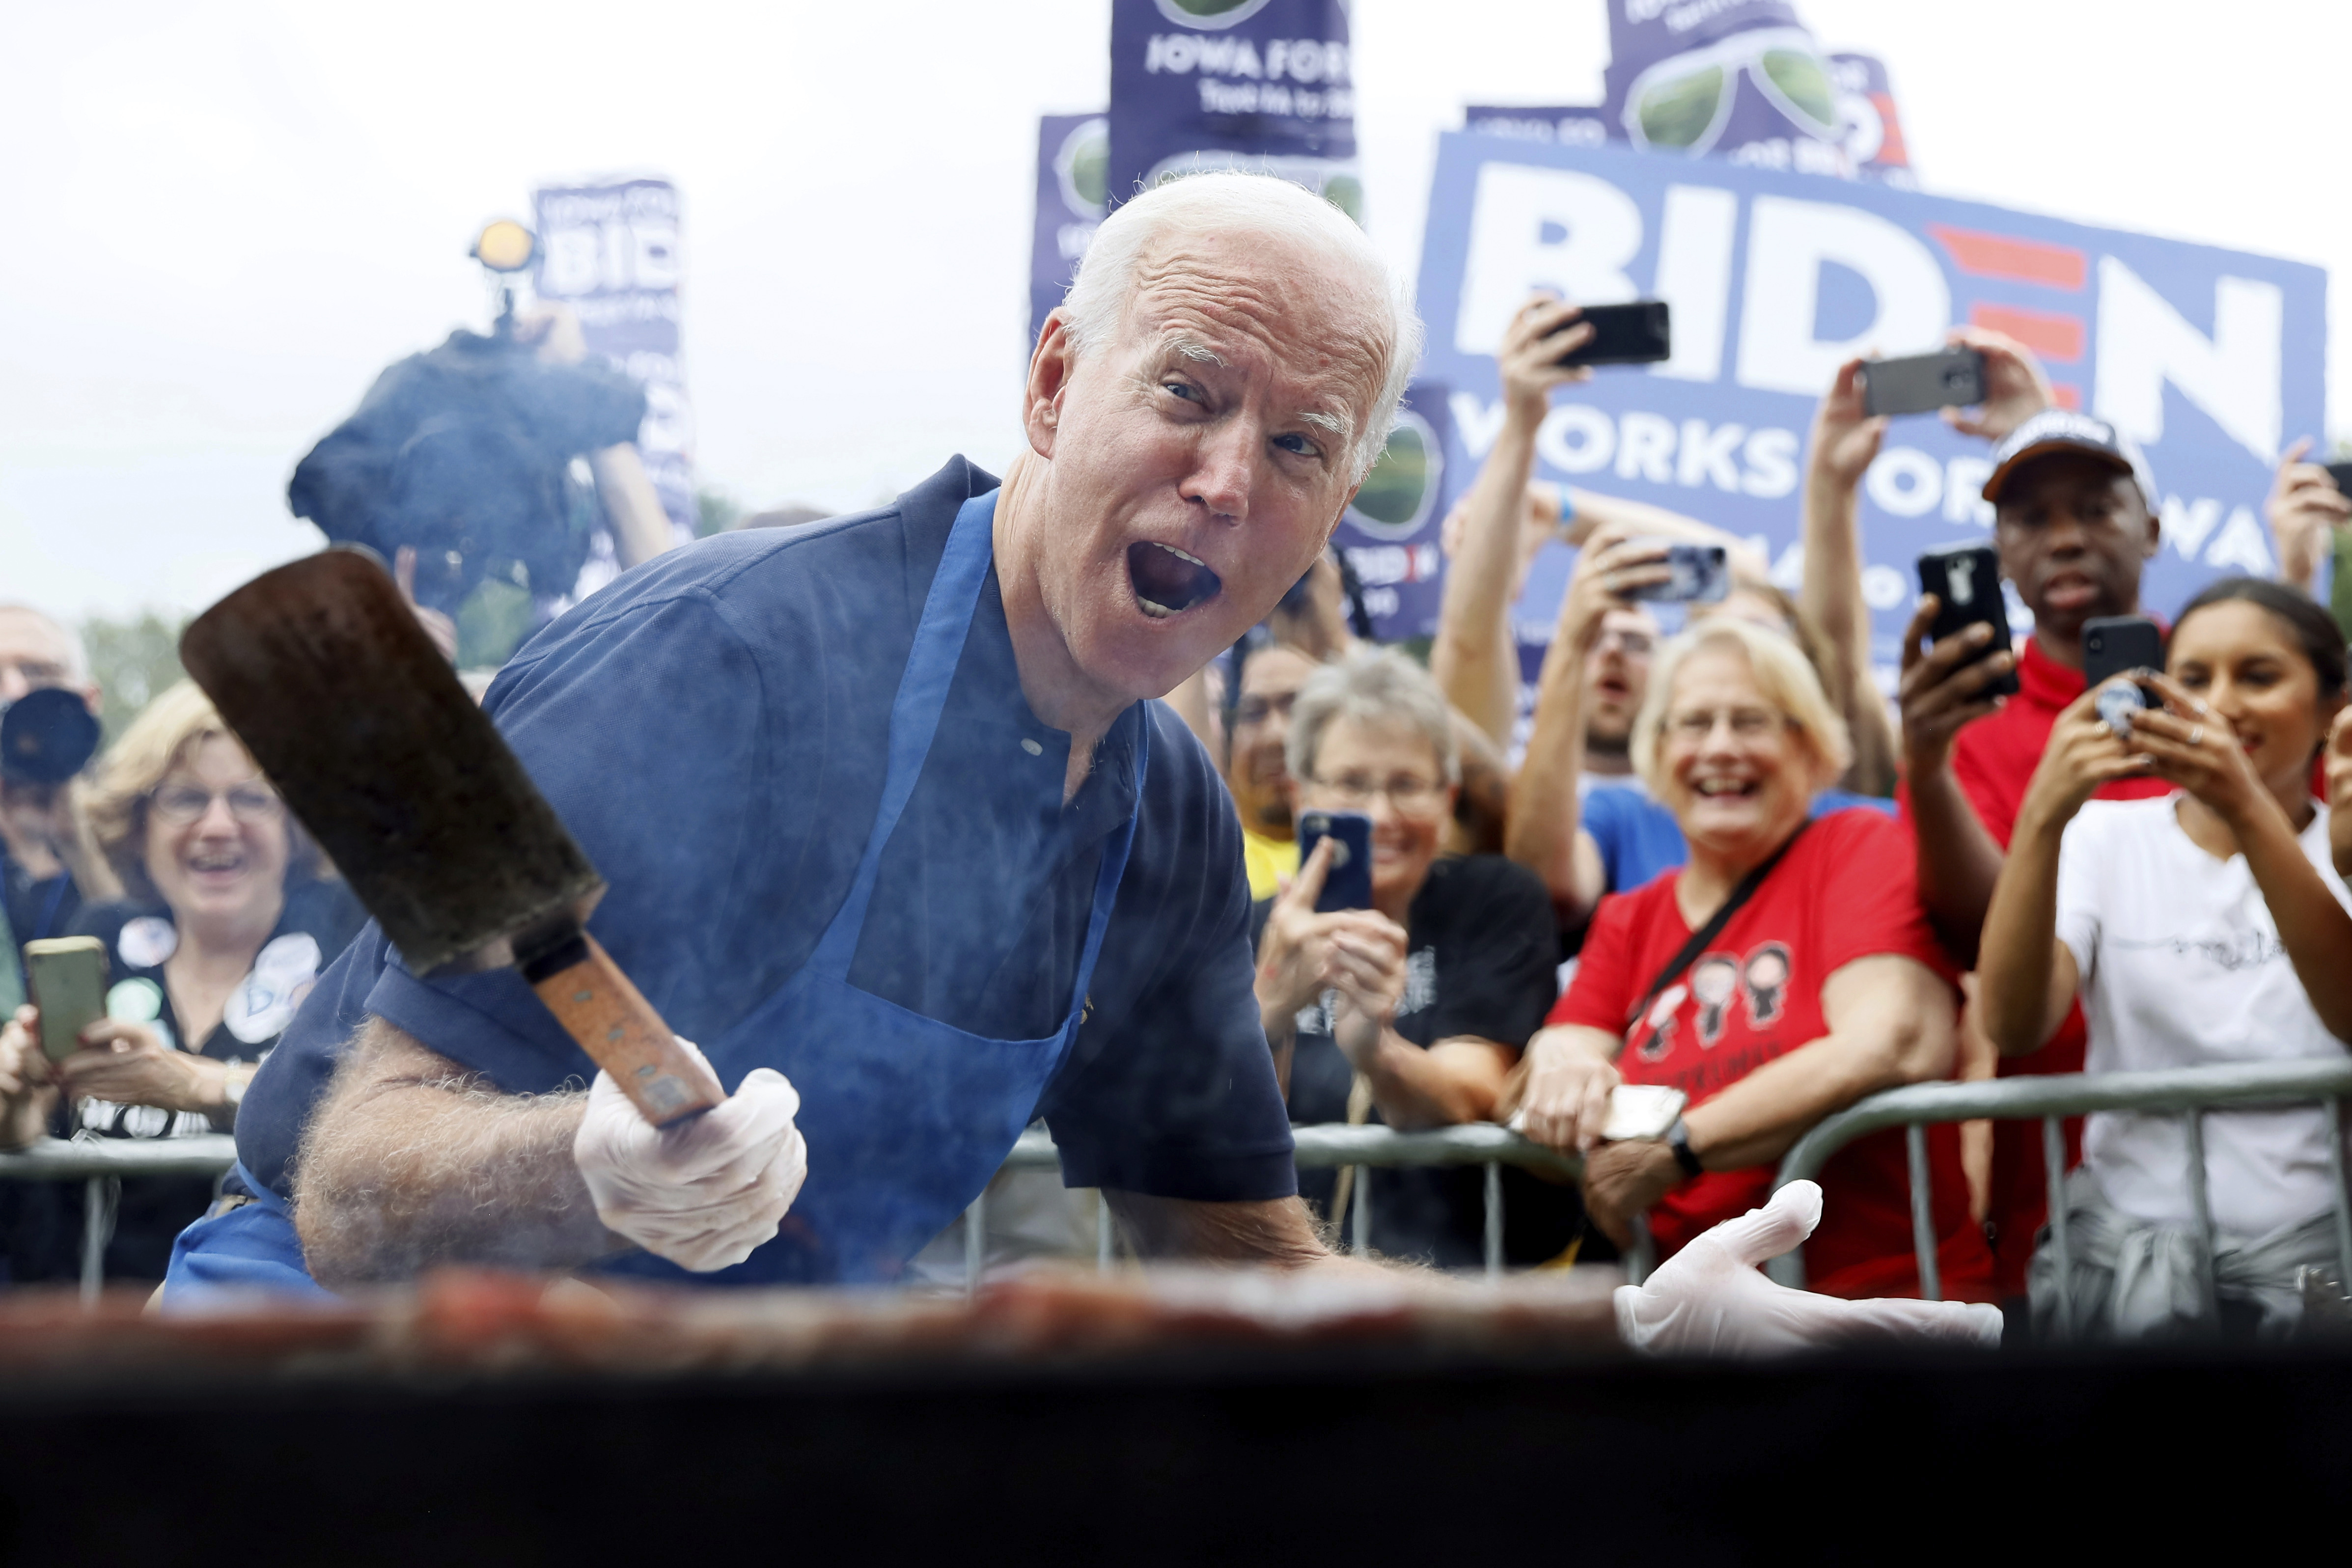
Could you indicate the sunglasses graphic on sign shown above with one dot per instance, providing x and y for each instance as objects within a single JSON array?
[
  {"x": 1401, "y": 491},
  {"x": 1682, "y": 104}
]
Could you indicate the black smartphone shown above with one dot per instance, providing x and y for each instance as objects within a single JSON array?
[
  {"x": 1702, "y": 575},
  {"x": 1966, "y": 581},
  {"x": 1640, "y": 333},
  {"x": 2115, "y": 643},
  {"x": 1349, "y": 883},
  {"x": 1922, "y": 382},
  {"x": 2342, "y": 474}
]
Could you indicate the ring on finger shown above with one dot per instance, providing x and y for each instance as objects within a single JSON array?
[{"x": 2195, "y": 734}]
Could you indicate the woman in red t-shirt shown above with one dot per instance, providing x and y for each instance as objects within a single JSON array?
[{"x": 1824, "y": 986}]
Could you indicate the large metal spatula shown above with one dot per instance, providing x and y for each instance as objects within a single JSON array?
[{"x": 323, "y": 672}]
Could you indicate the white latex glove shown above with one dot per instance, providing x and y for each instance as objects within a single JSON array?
[
  {"x": 1708, "y": 1299},
  {"x": 703, "y": 1192}
]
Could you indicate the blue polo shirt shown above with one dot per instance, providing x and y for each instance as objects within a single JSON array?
[
  {"x": 713, "y": 729},
  {"x": 1639, "y": 838}
]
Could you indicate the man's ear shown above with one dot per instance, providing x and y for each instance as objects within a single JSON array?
[
  {"x": 2155, "y": 534},
  {"x": 1052, "y": 363}
]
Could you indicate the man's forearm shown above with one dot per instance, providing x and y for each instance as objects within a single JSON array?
[
  {"x": 410, "y": 1162},
  {"x": 1831, "y": 594},
  {"x": 1472, "y": 656},
  {"x": 1546, "y": 813},
  {"x": 1958, "y": 860}
]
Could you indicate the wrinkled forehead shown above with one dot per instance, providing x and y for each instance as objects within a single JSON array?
[
  {"x": 1270, "y": 304},
  {"x": 1716, "y": 673}
]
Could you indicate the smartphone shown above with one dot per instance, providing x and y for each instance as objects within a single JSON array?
[
  {"x": 1702, "y": 575},
  {"x": 1966, "y": 581},
  {"x": 1348, "y": 883},
  {"x": 2111, "y": 645},
  {"x": 67, "y": 976},
  {"x": 1641, "y": 333},
  {"x": 1642, "y": 1110},
  {"x": 2115, "y": 643},
  {"x": 2342, "y": 474},
  {"x": 1922, "y": 382}
]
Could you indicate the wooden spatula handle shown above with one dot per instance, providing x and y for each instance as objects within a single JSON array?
[{"x": 621, "y": 1033}]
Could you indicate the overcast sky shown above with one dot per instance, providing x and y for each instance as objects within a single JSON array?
[{"x": 226, "y": 217}]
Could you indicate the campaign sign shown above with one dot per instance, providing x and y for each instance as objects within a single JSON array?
[
  {"x": 1389, "y": 533},
  {"x": 1072, "y": 162},
  {"x": 1266, "y": 85},
  {"x": 2211, "y": 359},
  {"x": 611, "y": 252}
]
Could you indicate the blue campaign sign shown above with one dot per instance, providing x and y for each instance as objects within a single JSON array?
[{"x": 2212, "y": 359}]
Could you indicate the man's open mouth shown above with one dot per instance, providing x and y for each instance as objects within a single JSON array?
[
  {"x": 1167, "y": 580},
  {"x": 1715, "y": 788}
]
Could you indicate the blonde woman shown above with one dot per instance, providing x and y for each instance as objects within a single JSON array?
[
  {"x": 1816, "y": 982},
  {"x": 228, "y": 922}
]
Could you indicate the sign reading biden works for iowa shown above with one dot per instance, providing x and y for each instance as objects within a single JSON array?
[{"x": 2212, "y": 359}]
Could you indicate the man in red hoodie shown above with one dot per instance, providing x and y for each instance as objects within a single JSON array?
[{"x": 2075, "y": 522}]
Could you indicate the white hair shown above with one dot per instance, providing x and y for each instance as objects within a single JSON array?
[
  {"x": 1223, "y": 201},
  {"x": 1372, "y": 685}
]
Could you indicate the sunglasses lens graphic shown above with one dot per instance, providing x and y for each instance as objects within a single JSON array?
[
  {"x": 1678, "y": 112},
  {"x": 1805, "y": 84}
]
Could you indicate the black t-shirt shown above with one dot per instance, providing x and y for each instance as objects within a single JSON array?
[
  {"x": 43, "y": 1233},
  {"x": 1481, "y": 946},
  {"x": 713, "y": 729}
]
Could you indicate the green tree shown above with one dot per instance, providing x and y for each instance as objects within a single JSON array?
[{"x": 131, "y": 661}]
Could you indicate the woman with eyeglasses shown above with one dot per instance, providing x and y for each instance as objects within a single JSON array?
[
  {"x": 1412, "y": 1011},
  {"x": 1781, "y": 974},
  {"x": 231, "y": 915}
]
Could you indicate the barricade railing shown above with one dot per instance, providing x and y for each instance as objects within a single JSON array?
[
  {"x": 97, "y": 1163},
  {"x": 1329, "y": 1147},
  {"x": 2188, "y": 1092},
  {"x": 95, "y": 1160}
]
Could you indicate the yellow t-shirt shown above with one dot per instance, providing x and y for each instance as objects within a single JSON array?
[{"x": 1267, "y": 861}]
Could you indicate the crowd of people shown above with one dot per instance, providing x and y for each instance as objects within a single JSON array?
[
  {"x": 1756, "y": 880},
  {"x": 1713, "y": 858}
]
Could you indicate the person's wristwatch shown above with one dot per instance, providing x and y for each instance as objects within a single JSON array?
[{"x": 1678, "y": 1140}]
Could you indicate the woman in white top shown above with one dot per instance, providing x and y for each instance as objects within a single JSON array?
[{"x": 2206, "y": 926}]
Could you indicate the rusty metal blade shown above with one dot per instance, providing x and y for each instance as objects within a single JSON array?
[{"x": 323, "y": 672}]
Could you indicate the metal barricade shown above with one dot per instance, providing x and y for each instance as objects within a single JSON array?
[
  {"x": 99, "y": 1163},
  {"x": 1327, "y": 1148},
  {"x": 96, "y": 1161},
  {"x": 2190, "y": 1091}
]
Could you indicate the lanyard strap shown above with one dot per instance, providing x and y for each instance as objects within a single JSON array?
[{"x": 1690, "y": 950}]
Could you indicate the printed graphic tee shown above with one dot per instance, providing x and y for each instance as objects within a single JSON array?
[
  {"x": 2182, "y": 966},
  {"x": 1844, "y": 892}
]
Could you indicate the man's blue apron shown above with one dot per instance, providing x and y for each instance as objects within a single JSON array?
[{"x": 906, "y": 1118}]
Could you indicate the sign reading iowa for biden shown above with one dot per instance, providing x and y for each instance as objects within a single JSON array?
[
  {"x": 611, "y": 253},
  {"x": 1265, "y": 85},
  {"x": 2210, "y": 357}
]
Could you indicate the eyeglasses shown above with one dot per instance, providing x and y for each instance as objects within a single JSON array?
[
  {"x": 1633, "y": 644},
  {"x": 1258, "y": 710},
  {"x": 1411, "y": 796},
  {"x": 1746, "y": 723},
  {"x": 1682, "y": 104},
  {"x": 180, "y": 804}
]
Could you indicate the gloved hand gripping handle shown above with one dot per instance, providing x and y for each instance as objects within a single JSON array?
[{"x": 621, "y": 1033}]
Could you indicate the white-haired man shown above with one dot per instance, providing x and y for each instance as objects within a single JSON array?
[{"x": 892, "y": 831}]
